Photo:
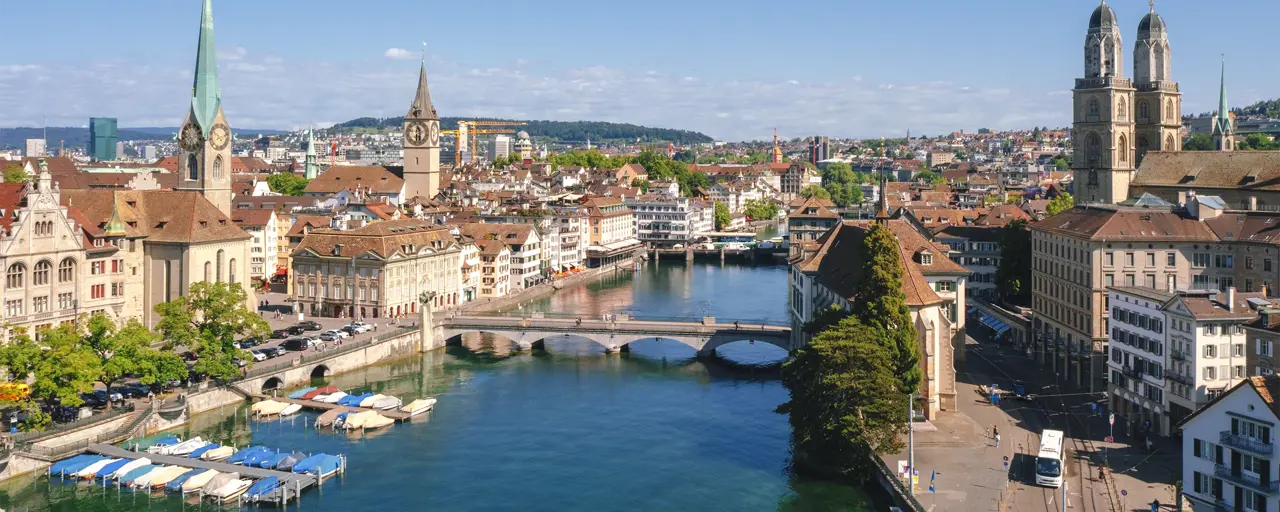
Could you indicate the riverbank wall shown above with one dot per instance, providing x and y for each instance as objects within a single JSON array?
[
  {"x": 895, "y": 492},
  {"x": 542, "y": 290}
]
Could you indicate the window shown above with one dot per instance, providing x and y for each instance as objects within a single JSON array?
[
  {"x": 1254, "y": 502},
  {"x": 926, "y": 258},
  {"x": 12, "y": 307},
  {"x": 1200, "y": 260},
  {"x": 65, "y": 301},
  {"x": 1143, "y": 110},
  {"x": 193, "y": 168},
  {"x": 1210, "y": 351},
  {"x": 98, "y": 267},
  {"x": 40, "y": 304},
  {"x": 67, "y": 271},
  {"x": 1248, "y": 262},
  {"x": 1122, "y": 111},
  {"x": 1129, "y": 280},
  {"x": 1108, "y": 279},
  {"x": 1172, "y": 259},
  {"x": 218, "y": 268},
  {"x": 16, "y": 277},
  {"x": 217, "y": 168},
  {"x": 231, "y": 271},
  {"x": 1151, "y": 259},
  {"x": 1210, "y": 373},
  {"x": 1237, "y": 372},
  {"x": 98, "y": 291},
  {"x": 1110, "y": 259},
  {"x": 1128, "y": 259},
  {"x": 945, "y": 286},
  {"x": 1266, "y": 264},
  {"x": 1122, "y": 147},
  {"x": 1151, "y": 281},
  {"x": 1211, "y": 330},
  {"x": 1223, "y": 260},
  {"x": 41, "y": 275},
  {"x": 117, "y": 289},
  {"x": 1264, "y": 347}
]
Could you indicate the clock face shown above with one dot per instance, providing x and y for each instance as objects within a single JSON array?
[
  {"x": 434, "y": 135},
  {"x": 190, "y": 137},
  {"x": 220, "y": 136},
  {"x": 416, "y": 134}
]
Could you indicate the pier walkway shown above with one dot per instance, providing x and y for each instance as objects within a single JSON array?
[
  {"x": 393, "y": 413},
  {"x": 294, "y": 482}
]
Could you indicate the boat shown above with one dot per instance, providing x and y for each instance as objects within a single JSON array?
[
  {"x": 262, "y": 488},
  {"x": 162, "y": 479},
  {"x": 58, "y": 467},
  {"x": 110, "y": 469},
  {"x": 218, "y": 454},
  {"x": 289, "y": 461},
  {"x": 368, "y": 402},
  {"x": 72, "y": 469},
  {"x": 241, "y": 455},
  {"x": 356, "y": 419},
  {"x": 315, "y": 393},
  {"x": 130, "y": 466},
  {"x": 145, "y": 479},
  {"x": 162, "y": 444},
  {"x": 255, "y": 459},
  {"x": 135, "y": 473},
  {"x": 198, "y": 481},
  {"x": 291, "y": 410},
  {"x": 354, "y": 401},
  {"x": 269, "y": 461},
  {"x": 378, "y": 421},
  {"x": 230, "y": 491},
  {"x": 218, "y": 481},
  {"x": 419, "y": 406},
  {"x": 268, "y": 408},
  {"x": 198, "y": 452},
  {"x": 176, "y": 484},
  {"x": 328, "y": 417},
  {"x": 321, "y": 465},
  {"x": 387, "y": 403},
  {"x": 142, "y": 443},
  {"x": 297, "y": 395},
  {"x": 94, "y": 468},
  {"x": 341, "y": 420},
  {"x": 332, "y": 398},
  {"x": 184, "y": 448}
]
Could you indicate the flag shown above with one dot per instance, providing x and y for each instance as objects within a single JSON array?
[{"x": 932, "y": 476}]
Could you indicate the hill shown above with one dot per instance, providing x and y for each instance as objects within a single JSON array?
[
  {"x": 560, "y": 131},
  {"x": 1269, "y": 108},
  {"x": 79, "y": 137}
]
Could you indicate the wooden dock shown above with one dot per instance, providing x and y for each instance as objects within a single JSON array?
[
  {"x": 293, "y": 482},
  {"x": 394, "y": 414}
]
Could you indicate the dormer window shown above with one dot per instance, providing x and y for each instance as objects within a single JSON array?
[
  {"x": 926, "y": 258},
  {"x": 97, "y": 242}
]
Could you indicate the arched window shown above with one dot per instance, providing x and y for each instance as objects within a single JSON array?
[
  {"x": 193, "y": 168},
  {"x": 16, "y": 277},
  {"x": 67, "y": 271},
  {"x": 208, "y": 271},
  {"x": 1122, "y": 147},
  {"x": 1168, "y": 144},
  {"x": 221, "y": 254},
  {"x": 1093, "y": 108},
  {"x": 41, "y": 276},
  {"x": 1093, "y": 150},
  {"x": 1170, "y": 114},
  {"x": 231, "y": 271},
  {"x": 217, "y": 168},
  {"x": 1143, "y": 112},
  {"x": 1122, "y": 110}
]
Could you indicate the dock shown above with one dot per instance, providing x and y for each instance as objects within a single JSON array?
[
  {"x": 312, "y": 404},
  {"x": 294, "y": 483}
]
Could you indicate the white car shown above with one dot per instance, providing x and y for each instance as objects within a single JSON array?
[
  {"x": 361, "y": 328},
  {"x": 338, "y": 332},
  {"x": 258, "y": 356}
]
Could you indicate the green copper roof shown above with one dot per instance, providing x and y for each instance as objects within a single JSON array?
[
  {"x": 115, "y": 226},
  {"x": 206, "y": 98},
  {"x": 1223, "y": 123},
  {"x": 311, "y": 142}
]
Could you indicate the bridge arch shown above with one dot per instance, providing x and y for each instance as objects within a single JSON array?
[
  {"x": 272, "y": 383},
  {"x": 721, "y": 340},
  {"x": 320, "y": 371}
]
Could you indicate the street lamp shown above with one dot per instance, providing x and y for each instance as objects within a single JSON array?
[{"x": 911, "y": 443}]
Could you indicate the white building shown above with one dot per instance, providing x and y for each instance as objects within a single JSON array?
[
  {"x": 1229, "y": 451},
  {"x": 524, "y": 244},
  {"x": 263, "y": 248},
  {"x": 1207, "y": 345},
  {"x": 500, "y": 148},
  {"x": 35, "y": 148},
  {"x": 665, "y": 221},
  {"x": 1136, "y": 360}
]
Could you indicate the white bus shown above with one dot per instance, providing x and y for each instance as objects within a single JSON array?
[{"x": 1049, "y": 460}]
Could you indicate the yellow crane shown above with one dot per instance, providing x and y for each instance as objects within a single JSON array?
[{"x": 471, "y": 128}]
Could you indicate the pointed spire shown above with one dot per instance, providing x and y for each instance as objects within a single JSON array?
[
  {"x": 422, "y": 107},
  {"x": 311, "y": 142},
  {"x": 115, "y": 225},
  {"x": 1223, "y": 122},
  {"x": 206, "y": 98},
  {"x": 882, "y": 216}
]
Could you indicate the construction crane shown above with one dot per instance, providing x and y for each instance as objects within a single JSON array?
[{"x": 471, "y": 128}]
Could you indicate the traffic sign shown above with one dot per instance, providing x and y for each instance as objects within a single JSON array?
[
  {"x": 1124, "y": 492},
  {"x": 1109, "y": 439},
  {"x": 1111, "y": 418}
]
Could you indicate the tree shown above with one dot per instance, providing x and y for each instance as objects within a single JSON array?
[
  {"x": 758, "y": 209},
  {"x": 1013, "y": 275},
  {"x": 842, "y": 184},
  {"x": 881, "y": 305},
  {"x": 1199, "y": 142},
  {"x": 59, "y": 367},
  {"x": 207, "y": 321},
  {"x": 845, "y": 405},
  {"x": 1258, "y": 142},
  {"x": 1060, "y": 204},
  {"x": 287, "y": 183},
  {"x": 722, "y": 216},
  {"x": 14, "y": 173},
  {"x": 643, "y": 185},
  {"x": 930, "y": 177},
  {"x": 819, "y": 192},
  {"x": 127, "y": 351}
]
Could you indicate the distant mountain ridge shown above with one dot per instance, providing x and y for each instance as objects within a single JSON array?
[
  {"x": 565, "y": 131},
  {"x": 74, "y": 137}
]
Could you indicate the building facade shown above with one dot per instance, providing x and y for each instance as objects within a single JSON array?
[
  {"x": 422, "y": 143},
  {"x": 1229, "y": 450},
  {"x": 103, "y": 137},
  {"x": 1103, "y": 126},
  {"x": 665, "y": 221},
  {"x": 204, "y": 141}
]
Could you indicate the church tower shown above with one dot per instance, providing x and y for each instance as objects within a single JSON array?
[
  {"x": 1157, "y": 102},
  {"x": 1224, "y": 131},
  {"x": 312, "y": 166},
  {"x": 204, "y": 141},
  {"x": 422, "y": 143},
  {"x": 1103, "y": 128}
]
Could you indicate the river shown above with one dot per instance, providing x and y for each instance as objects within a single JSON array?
[{"x": 568, "y": 428}]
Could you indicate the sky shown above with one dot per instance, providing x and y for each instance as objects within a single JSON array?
[{"x": 735, "y": 70}]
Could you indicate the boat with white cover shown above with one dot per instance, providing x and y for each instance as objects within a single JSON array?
[{"x": 419, "y": 406}]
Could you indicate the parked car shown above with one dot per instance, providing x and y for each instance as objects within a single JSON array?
[
  {"x": 280, "y": 334},
  {"x": 245, "y": 344},
  {"x": 296, "y": 344},
  {"x": 294, "y": 330},
  {"x": 275, "y": 351},
  {"x": 190, "y": 356},
  {"x": 131, "y": 391},
  {"x": 358, "y": 328},
  {"x": 339, "y": 333},
  {"x": 239, "y": 362},
  {"x": 258, "y": 355},
  {"x": 310, "y": 325}
]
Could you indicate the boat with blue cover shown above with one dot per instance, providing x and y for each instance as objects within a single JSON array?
[
  {"x": 74, "y": 468},
  {"x": 255, "y": 459},
  {"x": 162, "y": 444},
  {"x": 240, "y": 456},
  {"x": 110, "y": 469},
  {"x": 297, "y": 395},
  {"x": 262, "y": 488},
  {"x": 321, "y": 465},
  {"x": 289, "y": 461},
  {"x": 137, "y": 472},
  {"x": 175, "y": 485},
  {"x": 59, "y": 467},
  {"x": 270, "y": 461},
  {"x": 200, "y": 451}
]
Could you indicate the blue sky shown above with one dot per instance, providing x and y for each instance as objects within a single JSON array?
[{"x": 732, "y": 69}]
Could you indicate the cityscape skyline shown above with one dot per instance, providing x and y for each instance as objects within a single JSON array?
[{"x": 734, "y": 87}]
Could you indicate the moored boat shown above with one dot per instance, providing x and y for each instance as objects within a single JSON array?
[
  {"x": 75, "y": 467},
  {"x": 230, "y": 491},
  {"x": 110, "y": 469},
  {"x": 269, "y": 461},
  {"x": 162, "y": 444},
  {"x": 321, "y": 465},
  {"x": 262, "y": 488},
  {"x": 160, "y": 480},
  {"x": 291, "y": 410},
  {"x": 419, "y": 406},
  {"x": 332, "y": 398},
  {"x": 241, "y": 455},
  {"x": 287, "y": 463},
  {"x": 60, "y": 467},
  {"x": 145, "y": 480},
  {"x": 376, "y": 422},
  {"x": 199, "y": 452},
  {"x": 315, "y": 393},
  {"x": 128, "y": 478},
  {"x": 328, "y": 417},
  {"x": 218, "y": 481},
  {"x": 368, "y": 401},
  {"x": 92, "y": 469},
  {"x": 130, "y": 466},
  {"x": 176, "y": 484},
  {"x": 387, "y": 403},
  {"x": 184, "y": 448},
  {"x": 218, "y": 454},
  {"x": 198, "y": 481},
  {"x": 268, "y": 408},
  {"x": 297, "y": 395}
]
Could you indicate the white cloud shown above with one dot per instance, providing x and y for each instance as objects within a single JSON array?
[
  {"x": 232, "y": 54},
  {"x": 267, "y": 92},
  {"x": 398, "y": 54}
]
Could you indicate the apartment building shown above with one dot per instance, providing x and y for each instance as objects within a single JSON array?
[
  {"x": 495, "y": 268},
  {"x": 1229, "y": 449},
  {"x": 665, "y": 221},
  {"x": 613, "y": 231},
  {"x": 809, "y": 220},
  {"x": 976, "y": 248},
  {"x": 524, "y": 244},
  {"x": 263, "y": 226}
]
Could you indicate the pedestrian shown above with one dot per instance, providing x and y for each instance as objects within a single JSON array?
[
  {"x": 995, "y": 432},
  {"x": 997, "y": 439},
  {"x": 375, "y": 327}
]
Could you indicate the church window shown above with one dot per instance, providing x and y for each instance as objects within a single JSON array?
[
  {"x": 1093, "y": 150},
  {"x": 193, "y": 168},
  {"x": 1143, "y": 144},
  {"x": 1122, "y": 111},
  {"x": 1168, "y": 144},
  {"x": 1122, "y": 147},
  {"x": 217, "y": 168},
  {"x": 1170, "y": 114},
  {"x": 1093, "y": 109},
  {"x": 41, "y": 276},
  {"x": 208, "y": 271},
  {"x": 67, "y": 271},
  {"x": 1143, "y": 112},
  {"x": 16, "y": 277},
  {"x": 221, "y": 253},
  {"x": 231, "y": 271}
]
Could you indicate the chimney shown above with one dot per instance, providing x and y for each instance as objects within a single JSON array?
[
  {"x": 1182, "y": 198},
  {"x": 1253, "y": 203},
  {"x": 1231, "y": 299}
]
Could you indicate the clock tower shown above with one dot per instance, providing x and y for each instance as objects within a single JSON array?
[
  {"x": 422, "y": 144},
  {"x": 204, "y": 141}
]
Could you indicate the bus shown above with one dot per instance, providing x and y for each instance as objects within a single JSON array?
[{"x": 1049, "y": 460}]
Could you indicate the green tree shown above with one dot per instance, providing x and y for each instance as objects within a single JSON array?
[
  {"x": 845, "y": 405},
  {"x": 1060, "y": 204},
  {"x": 930, "y": 177},
  {"x": 881, "y": 305},
  {"x": 14, "y": 173},
  {"x": 287, "y": 183},
  {"x": 59, "y": 366},
  {"x": 207, "y": 321},
  {"x": 1061, "y": 163},
  {"x": 758, "y": 209},
  {"x": 1013, "y": 275},
  {"x": 1199, "y": 142},
  {"x": 722, "y": 216},
  {"x": 819, "y": 192},
  {"x": 643, "y": 185},
  {"x": 127, "y": 351},
  {"x": 1258, "y": 142}
]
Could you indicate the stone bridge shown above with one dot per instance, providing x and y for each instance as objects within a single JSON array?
[{"x": 528, "y": 333}]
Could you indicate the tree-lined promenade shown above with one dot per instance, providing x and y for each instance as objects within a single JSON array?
[{"x": 60, "y": 364}]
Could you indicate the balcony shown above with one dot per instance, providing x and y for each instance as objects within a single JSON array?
[
  {"x": 1178, "y": 355},
  {"x": 1179, "y": 377},
  {"x": 1245, "y": 443},
  {"x": 1245, "y": 480},
  {"x": 1131, "y": 372}
]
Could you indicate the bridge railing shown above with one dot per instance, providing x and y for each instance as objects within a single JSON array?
[
  {"x": 619, "y": 317},
  {"x": 346, "y": 348}
]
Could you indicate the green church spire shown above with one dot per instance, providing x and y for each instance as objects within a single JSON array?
[
  {"x": 1223, "y": 123},
  {"x": 206, "y": 98}
]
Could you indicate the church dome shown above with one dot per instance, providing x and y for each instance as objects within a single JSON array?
[
  {"x": 522, "y": 135},
  {"x": 1103, "y": 17},
  {"x": 1152, "y": 22}
]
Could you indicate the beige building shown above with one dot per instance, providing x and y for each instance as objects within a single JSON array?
[
  {"x": 377, "y": 271},
  {"x": 262, "y": 225},
  {"x": 495, "y": 269},
  {"x": 809, "y": 220},
  {"x": 613, "y": 231}
]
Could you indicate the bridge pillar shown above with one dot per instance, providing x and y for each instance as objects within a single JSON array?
[
  {"x": 688, "y": 253},
  {"x": 722, "y": 255},
  {"x": 524, "y": 345}
]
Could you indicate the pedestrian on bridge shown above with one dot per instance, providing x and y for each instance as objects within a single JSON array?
[{"x": 995, "y": 433}]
